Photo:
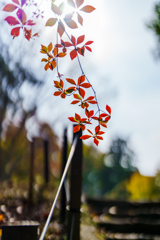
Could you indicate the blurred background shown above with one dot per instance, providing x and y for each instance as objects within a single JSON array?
[{"x": 123, "y": 69}]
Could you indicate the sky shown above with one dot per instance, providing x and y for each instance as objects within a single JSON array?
[{"x": 124, "y": 73}]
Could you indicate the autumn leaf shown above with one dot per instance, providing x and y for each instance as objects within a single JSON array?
[
  {"x": 9, "y": 8},
  {"x": 87, "y": 9},
  {"x": 51, "y": 22},
  {"x": 71, "y": 23},
  {"x": 21, "y": 15},
  {"x": 11, "y": 20}
]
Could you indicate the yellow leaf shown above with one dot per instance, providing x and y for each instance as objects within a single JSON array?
[
  {"x": 51, "y": 21},
  {"x": 50, "y": 46}
]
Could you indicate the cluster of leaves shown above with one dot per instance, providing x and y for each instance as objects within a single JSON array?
[
  {"x": 59, "y": 50},
  {"x": 21, "y": 21}
]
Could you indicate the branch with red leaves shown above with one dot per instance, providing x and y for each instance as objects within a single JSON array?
[{"x": 75, "y": 47}]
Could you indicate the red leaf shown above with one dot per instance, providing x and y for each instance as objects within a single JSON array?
[
  {"x": 63, "y": 95},
  {"x": 61, "y": 82},
  {"x": 81, "y": 79},
  {"x": 82, "y": 127},
  {"x": 71, "y": 81},
  {"x": 96, "y": 141},
  {"x": 73, "y": 40},
  {"x": 107, "y": 118},
  {"x": 71, "y": 3},
  {"x": 108, "y": 109},
  {"x": 82, "y": 92},
  {"x": 57, "y": 93},
  {"x": 95, "y": 118},
  {"x": 92, "y": 102},
  {"x": 89, "y": 131},
  {"x": 76, "y": 128},
  {"x": 61, "y": 28},
  {"x": 79, "y": 3},
  {"x": 27, "y": 34},
  {"x": 84, "y": 137},
  {"x": 21, "y": 15},
  {"x": 9, "y": 8},
  {"x": 97, "y": 129},
  {"x": 15, "y": 32},
  {"x": 90, "y": 98},
  {"x": 87, "y": 9},
  {"x": 11, "y": 20},
  {"x": 75, "y": 102},
  {"x": 103, "y": 115},
  {"x": 30, "y": 23},
  {"x": 88, "y": 48},
  {"x": 103, "y": 125},
  {"x": 73, "y": 54},
  {"x": 100, "y": 133},
  {"x": 80, "y": 19},
  {"x": 70, "y": 90},
  {"x": 78, "y": 117},
  {"x": 71, "y": 23},
  {"x": 89, "y": 42},
  {"x": 16, "y": 1},
  {"x": 80, "y": 39},
  {"x": 68, "y": 44},
  {"x": 72, "y": 119},
  {"x": 81, "y": 50},
  {"x": 99, "y": 137},
  {"x": 86, "y": 85}
]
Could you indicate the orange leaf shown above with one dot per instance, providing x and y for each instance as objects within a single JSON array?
[
  {"x": 73, "y": 54},
  {"x": 107, "y": 118},
  {"x": 61, "y": 54},
  {"x": 71, "y": 23},
  {"x": 86, "y": 85},
  {"x": 97, "y": 129},
  {"x": 90, "y": 98},
  {"x": 51, "y": 22},
  {"x": 82, "y": 127},
  {"x": 61, "y": 82},
  {"x": 77, "y": 96},
  {"x": 46, "y": 66},
  {"x": 80, "y": 39},
  {"x": 9, "y": 8},
  {"x": 100, "y": 133},
  {"x": 79, "y": 3},
  {"x": 61, "y": 28},
  {"x": 103, "y": 125},
  {"x": 63, "y": 95},
  {"x": 57, "y": 93},
  {"x": 96, "y": 141},
  {"x": 75, "y": 102},
  {"x": 70, "y": 90},
  {"x": 89, "y": 131},
  {"x": 80, "y": 19},
  {"x": 78, "y": 117},
  {"x": 72, "y": 119},
  {"x": 76, "y": 128},
  {"x": 82, "y": 92},
  {"x": 55, "y": 51},
  {"x": 16, "y": 1},
  {"x": 44, "y": 60},
  {"x": 92, "y": 102},
  {"x": 99, "y": 137},
  {"x": 103, "y": 115},
  {"x": 108, "y": 109},
  {"x": 50, "y": 46},
  {"x": 81, "y": 79},
  {"x": 71, "y": 81},
  {"x": 87, "y": 9},
  {"x": 54, "y": 64},
  {"x": 84, "y": 137},
  {"x": 95, "y": 118}
]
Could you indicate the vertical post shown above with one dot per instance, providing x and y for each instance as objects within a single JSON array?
[
  {"x": 75, "y": 191},
  {"x": 63, "y": 192},
  {"x": 46, "y": 160},
  {"x": 31, "y": 172}
]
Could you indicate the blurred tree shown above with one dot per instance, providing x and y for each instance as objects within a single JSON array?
[{"x": 155, "y": 26}]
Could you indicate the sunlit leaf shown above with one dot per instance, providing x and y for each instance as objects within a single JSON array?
[
  {"x": 73, "y": 40},
  {"x": 71, "y": 3},
  {"x": 71, "y": 23},
  {"x": 88, "y": 48},
  {"x": 108, "y": 109},
  {"x": 96, "y": 141},
  {"x": 15, "y": 32},
  {"x": 9, "y": 8},
  {"x": 44, "y": 49},
  {"x": 11, "y": 20},
  {"x": 87, "y": 9},
  {"x": 57, "y": 93},
  {"x": 76, "y": 128},
  {"x": 84, "y": 137},
  {"x": 80, "y": 19},
  {"x": 76, "y": 96},
  {"x": 73, "y": 54},
  {"x": 51, "y": 21},
  {"x": 61, "y": 28},
  {"x": 81, "y": 79},
  {"x": 16, "y": 1},
  {"x": 21, "y": 15},
  {"x": 82, "y": 92},
  {"x": 80, "y": 39},
  {"x": 86, "y": 85},
  {"x": 71, "y": 81},
  {"x": 79, "y": 3}
]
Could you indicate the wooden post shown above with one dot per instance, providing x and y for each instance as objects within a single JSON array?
[
  {"x": 75, "y": 192},
  {"x": 63, "y": 192},
  {"x": 31, "y": 172},
  {"x": 46, "y": 160}
]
